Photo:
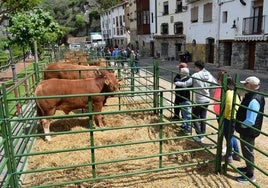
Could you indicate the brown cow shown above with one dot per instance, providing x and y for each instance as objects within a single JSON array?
[
  {"x": 72, "y": 71},
  {"x": 48, "y": 107}
]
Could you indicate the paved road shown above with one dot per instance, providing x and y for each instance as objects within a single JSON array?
[{"x": 243, "y": 73}]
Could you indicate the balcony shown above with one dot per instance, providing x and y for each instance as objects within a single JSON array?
[
  {"x": 254, "y": 25},
  {"x": 191, "y": 1}
]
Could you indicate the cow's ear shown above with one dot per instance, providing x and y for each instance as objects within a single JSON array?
[
  {"x": 107, "y": 81},
  {"x": 120, "y": 80}
]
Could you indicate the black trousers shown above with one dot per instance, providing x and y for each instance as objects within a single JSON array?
[{"x": 248, "y": 152}]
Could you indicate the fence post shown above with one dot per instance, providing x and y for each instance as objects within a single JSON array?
[
  {"x": 156, "y": 85},
  {"x": 13, "y": 181},
  {"x": 221, "y": 126},
  {"x": 91, "y": 127},
  {"x": 161, "y": 130}
]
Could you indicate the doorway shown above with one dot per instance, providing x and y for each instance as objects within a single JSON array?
[
  {"x": 251, "y": 55},
  {"x": 210, "y": 50}
]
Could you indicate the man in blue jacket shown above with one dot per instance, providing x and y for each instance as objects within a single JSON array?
[{"x": 247, "y": 117}]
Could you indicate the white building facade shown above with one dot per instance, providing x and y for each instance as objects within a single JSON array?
[
  {"x": 171, "y": 16},
  {"x": 113, "y": 26},
  {"x": 225, "y": 32},
  {"x": 243, "y": 41}
]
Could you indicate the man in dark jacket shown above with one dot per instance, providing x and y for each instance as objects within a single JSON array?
[
  {"x": 247, "y": 117},
  {"x": 177, "y": 111}
]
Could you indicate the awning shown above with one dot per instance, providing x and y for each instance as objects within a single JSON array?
[{"x": 251, "y": 38}]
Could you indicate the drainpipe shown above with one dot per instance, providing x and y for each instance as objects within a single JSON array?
[{"x": 218, "y": 34}]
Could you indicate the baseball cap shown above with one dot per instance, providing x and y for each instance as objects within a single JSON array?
[
  {"x": 251, "y": 80},
  {"x": 182, "y": 65},
  {"x": 184, "y": 71}
]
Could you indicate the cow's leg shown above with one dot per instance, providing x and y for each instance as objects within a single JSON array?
[
  {"x": 98, "y": 118},
  {"x": 46, "y": 124}
]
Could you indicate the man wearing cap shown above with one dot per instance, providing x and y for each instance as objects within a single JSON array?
[
  {"x": 201, "y": 79},
  {"x": 176, "y": 115},
  {"x": 247, "y": 117}
]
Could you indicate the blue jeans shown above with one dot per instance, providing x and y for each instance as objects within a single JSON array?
[
  {"x": 228, "y": 126},
  {"x": 186, "y": 114},
  {"x": 137, "y": 69}
]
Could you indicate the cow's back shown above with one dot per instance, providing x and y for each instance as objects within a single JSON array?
[{"x": 70, "y": 71}]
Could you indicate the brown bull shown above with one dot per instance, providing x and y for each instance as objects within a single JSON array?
[
  {"x": 83, "y": 61},
  {"x": 48, "y": 107},
  {"x": 72, "y": 71}
]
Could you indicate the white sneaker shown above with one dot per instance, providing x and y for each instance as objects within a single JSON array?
[{"x": 198, "y": 139}]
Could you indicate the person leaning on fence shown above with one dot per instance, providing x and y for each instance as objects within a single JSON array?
[
  {"x": 227, "y": 122},
  {"x": 248, "y": 116},
  {"x": 217, "y": 94},
  {"x": 228, "y": 126},
  {"x": 200, "y": 79},
  {"x": 177, "y": 111},
  {"x": 183, "y": 98}
]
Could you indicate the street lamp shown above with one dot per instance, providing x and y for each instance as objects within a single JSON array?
[{"x": 13, "y": 68}]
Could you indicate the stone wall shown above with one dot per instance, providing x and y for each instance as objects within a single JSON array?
[
  {"x": 261, "y": 57},
  {"x": 239, "y": 55},
  {"x": 198, "y": 51}
]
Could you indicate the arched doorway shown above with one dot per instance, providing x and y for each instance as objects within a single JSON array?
[{"x": 210, "y": 42}]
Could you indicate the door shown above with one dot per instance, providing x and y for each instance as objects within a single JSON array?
[
  {"x": 178, "y": 51},
  {"x": 251, "y": 55},
  {"x": 210, "y": 50},
  {"x": 152, "y": 48}
]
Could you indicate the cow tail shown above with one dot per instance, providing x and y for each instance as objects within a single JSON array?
[{"x": 39, "y": 110}]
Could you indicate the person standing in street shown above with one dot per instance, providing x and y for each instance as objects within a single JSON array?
[
  {"x": 248, "y": 116},
  {"x": 200, "y": 79},
  {"x": 115, "y": 54}
]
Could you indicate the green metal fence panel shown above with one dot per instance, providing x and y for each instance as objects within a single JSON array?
[{"x": 140, "y": 95}]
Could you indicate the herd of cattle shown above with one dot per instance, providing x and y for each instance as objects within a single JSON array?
[{"x": 69, "y": 78}]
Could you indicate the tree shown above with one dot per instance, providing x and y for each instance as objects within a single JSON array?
[
  {"x": 105, "y": 4},
  {"x": 35, "y": 25},
  {"x": 11, "y": 6}
]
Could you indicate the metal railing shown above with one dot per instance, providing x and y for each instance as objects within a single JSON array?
[
  {"x": 142, "y": 94},
  {"x": 254, "y": 25}
]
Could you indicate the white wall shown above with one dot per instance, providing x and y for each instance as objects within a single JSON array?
[{"x": 200, "y": 30}]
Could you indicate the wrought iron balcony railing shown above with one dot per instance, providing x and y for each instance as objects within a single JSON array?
[{"x": 254, "y": 25}]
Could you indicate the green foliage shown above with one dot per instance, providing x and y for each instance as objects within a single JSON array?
[
  {"x": 106, "y": 4},
  {"x": 35, "y": 25},
  {"x": 11, "y": 6},
  {"x": 79, "y": 21}
]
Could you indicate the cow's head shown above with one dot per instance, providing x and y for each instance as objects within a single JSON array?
[{"x": 112, "y": 82}]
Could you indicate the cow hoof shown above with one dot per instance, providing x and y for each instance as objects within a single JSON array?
[{"x": 48, "y": 138}]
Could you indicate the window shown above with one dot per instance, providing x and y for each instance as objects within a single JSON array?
[
  {"x": 178, "y": 28},
  {"x": 224, "y": 16},
  {"x": 117, "y": 21},
  {"x": 194, "y": 14},
  {"x": 165, "y": 8},
  {"x": 164, "y": 28},
  {"x": 152, "y": 16},
  {"x": 178, "y": 6},
  {"x": 207, "y": 17},
  {"x": 146, "y": 17},
  {"x": 121, "y": 20}
]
